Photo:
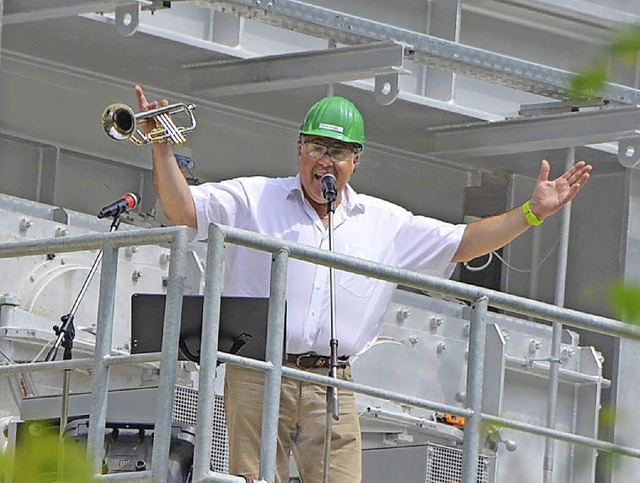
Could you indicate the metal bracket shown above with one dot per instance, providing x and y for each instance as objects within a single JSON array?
[
  {"x": 386, "y": 88},
  {"x": 556, "y": 360},
  {"x": 127, "y": 19},
  {"x": 629, "y": 151}
]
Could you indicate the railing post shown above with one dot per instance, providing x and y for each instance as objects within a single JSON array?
[
  {"x": 169, "y": 360},
  {"x": 556, "y": 336},
  {"x": 475, "y": 377},
  {"x": 275, "y": 337},
  {"x": 104, "y": 335},
  {"x": 209, "y": 352}
]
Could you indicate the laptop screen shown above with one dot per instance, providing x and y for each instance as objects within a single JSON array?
[{"x": 243, "y": 325}]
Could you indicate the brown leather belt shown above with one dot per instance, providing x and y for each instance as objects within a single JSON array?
[{"x": 310, "y": 360}]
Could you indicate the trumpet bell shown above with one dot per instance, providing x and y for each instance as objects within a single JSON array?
[{"x": 119, "y": 122}]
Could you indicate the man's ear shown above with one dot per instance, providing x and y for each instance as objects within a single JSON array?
[{"x": 356, "y": 160}]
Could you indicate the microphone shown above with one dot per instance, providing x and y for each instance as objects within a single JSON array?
[
  {"x": 128, "y": 202},
  {"x": 329, "y": 189}
]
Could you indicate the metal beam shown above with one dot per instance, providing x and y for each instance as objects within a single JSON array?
[
  {"x": 593, "y": 14},
  {"x": 613, "y": 12},
  {"x": 527, "y": 135},
  {"x": 2, "y": 17},
  {"x": 431, "y": 51},
  {"x": 19, "y": 11},
  {"x": 303, "y": 69}
]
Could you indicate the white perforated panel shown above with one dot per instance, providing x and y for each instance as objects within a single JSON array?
[
  {"x": 185, "y": 407},
  {"x": 444, "y": 465}
]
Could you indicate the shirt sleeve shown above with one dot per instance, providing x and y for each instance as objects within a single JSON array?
[
  {"x": 225, "y": 203},
  {"x": 427, "y": 245}
]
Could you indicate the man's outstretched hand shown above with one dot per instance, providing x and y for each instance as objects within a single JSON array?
[{"x": 549, "y": 196}]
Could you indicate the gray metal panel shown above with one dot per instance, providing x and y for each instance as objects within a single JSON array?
[
  {"x": 384, "y": 465},
  {"x": 493, "y": 387},
  {"x": 19, "y": 168},
  {"x": 132, "y": 405}
]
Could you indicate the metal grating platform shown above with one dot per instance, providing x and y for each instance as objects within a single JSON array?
[
  {"x": 185, "y": 407},
  {"x": 444, "y": 465}
]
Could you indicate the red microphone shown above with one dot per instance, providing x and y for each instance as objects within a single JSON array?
[{"x": 128, "y": 202}]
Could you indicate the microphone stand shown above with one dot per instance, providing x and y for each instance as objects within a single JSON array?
[
  {"x": 332, "y": 392},
  {"x": 65, "y": 334}
]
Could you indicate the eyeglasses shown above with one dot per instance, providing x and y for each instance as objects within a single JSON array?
[{"x": 316, "y": 150}]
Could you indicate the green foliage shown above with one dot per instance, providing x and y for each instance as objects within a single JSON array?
[
  {"x": 626, "y": 44},
  {"x": 589, "y": 82},
  {"x": 36, "y": 459},
  {"x": 625, "y": 299}
]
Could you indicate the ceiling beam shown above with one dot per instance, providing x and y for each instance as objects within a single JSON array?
[
  {"x": 532, "y": 134},
  {"x": 20, "y": 11},
  {"x": 429, "y": 50},
  {"x": 301, "y": 69}
]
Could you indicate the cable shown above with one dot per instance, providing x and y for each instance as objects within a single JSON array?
[
  {"x": 44, "y": 347},
  {"x": 521, "y": 270},
  {"x": 23, "y": 382},
  {"x": 481, "y": 267}
]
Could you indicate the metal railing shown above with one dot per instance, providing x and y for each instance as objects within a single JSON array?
[{"x": 480, "y": 299}]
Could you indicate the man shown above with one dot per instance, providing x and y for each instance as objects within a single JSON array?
[{"x": 331, "y": 141}]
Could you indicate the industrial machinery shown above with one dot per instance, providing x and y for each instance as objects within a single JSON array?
[{"x": 421, "y": 352}]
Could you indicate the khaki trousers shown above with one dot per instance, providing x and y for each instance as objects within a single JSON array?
[{"x": 301, "y": 427}]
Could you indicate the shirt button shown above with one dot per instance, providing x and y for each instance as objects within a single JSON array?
[{"x": 313, "y": 314}]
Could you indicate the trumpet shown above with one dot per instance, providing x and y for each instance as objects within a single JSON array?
[{"x": 120, "y": 123}]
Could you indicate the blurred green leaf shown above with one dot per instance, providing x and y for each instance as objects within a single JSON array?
[
  {"x": 625, "y": 299},
  {"x": 588, "y": 83},
  {"x": 36, "y": 460},
  {"x": 626, "y": 44}
]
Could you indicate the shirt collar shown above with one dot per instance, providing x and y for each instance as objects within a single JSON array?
[{"x": 349, "y": 201}]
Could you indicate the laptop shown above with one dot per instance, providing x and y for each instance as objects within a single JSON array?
[{"x": 243, "y": 325}]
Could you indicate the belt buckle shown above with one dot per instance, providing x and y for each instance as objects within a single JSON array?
[
  {"x": 301, "y": 358},
  {"x": 318, "y": 361}
]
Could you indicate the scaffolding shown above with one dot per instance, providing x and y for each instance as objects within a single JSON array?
[{"x": 281, "y": 251}]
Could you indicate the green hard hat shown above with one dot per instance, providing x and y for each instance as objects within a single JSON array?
[{"x": 336, "y": 118}]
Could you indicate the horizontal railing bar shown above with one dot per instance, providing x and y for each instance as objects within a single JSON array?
[
  {"x": 147, "y": 357},
  {"x": 213, "y": 477},
  {"x": 460, "y": 290},
  {"x": 373, "y": 391},
  {"x": 46, "y": 366},
  {"x": 561, "y": 435},
  {"x": 94, "y": 241},
  {"x": 425, "y": 404},
  {"x": 129, "y": 475},
  {"x": 541, "y": 369}
]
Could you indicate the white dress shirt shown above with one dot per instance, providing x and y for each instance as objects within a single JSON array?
[{"x": 364, "y": 227}]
